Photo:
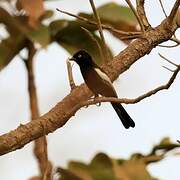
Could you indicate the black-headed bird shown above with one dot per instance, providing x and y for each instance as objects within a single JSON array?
[{"x": 100, "y": 84}]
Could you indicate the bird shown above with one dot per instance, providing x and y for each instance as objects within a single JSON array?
[{"x": 100, "y": 84}]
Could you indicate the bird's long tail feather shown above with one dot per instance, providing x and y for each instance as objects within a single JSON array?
[{"x": 123, "y": 115}]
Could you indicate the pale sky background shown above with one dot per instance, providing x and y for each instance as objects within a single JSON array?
[{"x": 94, "y": 129}]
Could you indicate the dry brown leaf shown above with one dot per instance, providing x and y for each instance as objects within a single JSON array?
[{"x": 33, "y": 8}]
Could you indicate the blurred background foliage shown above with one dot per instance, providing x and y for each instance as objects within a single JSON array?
[
  {"x": 27, "y": 20},
  {"x": 106, "y": 168}
]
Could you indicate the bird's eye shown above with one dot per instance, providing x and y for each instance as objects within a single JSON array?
[{"x": 79, "y": 56}]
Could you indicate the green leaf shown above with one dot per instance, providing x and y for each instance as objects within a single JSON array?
[
  {"x": 106, "y": 168},
  {"x": 132, "y": 169},
  {"x": 67, "y": 175},
  {"x": 9, "y": 48},
  {"x": 101, "y": 167},
  {"x": 115, "y": 13},
  {"x": 47, "y": 14},
  {"x": 40, "y": 35},
  {"x": 79, "y": 169},
  {"x": 71, "y": 36},
  {"x": 117, "y": 16},
  {"x": 165, "y": 145}
]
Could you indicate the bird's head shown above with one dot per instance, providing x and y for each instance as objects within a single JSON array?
[{"x": 82, "y": 58}]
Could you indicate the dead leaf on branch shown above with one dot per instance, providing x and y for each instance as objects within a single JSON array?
[{"x": 33, "y": 8}]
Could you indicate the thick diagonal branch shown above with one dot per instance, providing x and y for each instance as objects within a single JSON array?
[{"x": 65, "y": 109}]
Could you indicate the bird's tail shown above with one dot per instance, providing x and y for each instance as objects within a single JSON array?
[{"x": 123, "y": 115}]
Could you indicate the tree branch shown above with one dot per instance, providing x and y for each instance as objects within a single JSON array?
[
  {"x": 70, "y": 76},
  {"x": 99, "y": 25},
  {"x": 142, "y": 14},
  {"x": 174, "y": 11},
  {"x": 40, "y": 148},
  {"x": 65, "y": 109},
  {"x": 138, "y": 99},
  {"x": 162, "y": 7},
  {"x": 125, "y": 35},
  {"x": 136, "y": 14}
]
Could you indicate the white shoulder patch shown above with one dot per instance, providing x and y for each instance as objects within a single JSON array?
[{"x": 102, "y": 75}]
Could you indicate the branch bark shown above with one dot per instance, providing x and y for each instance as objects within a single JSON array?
[
  {"x": 40, "y": 146},
  {"x": 136, "y": 14},
  {"x": 65, "y": 109},
  {"x": 99, "y": 25},
  {"x": 142, "y": 14}
]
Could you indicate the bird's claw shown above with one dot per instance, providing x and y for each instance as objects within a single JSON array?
[
  {"x": 98, "y": 104},
  {"x": 94, "y": 98}
]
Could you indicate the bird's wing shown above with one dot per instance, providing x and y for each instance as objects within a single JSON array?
[{"x": 106, "y": 84}]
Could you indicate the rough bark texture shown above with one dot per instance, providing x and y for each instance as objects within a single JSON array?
[{"x": 65, "y": 109}]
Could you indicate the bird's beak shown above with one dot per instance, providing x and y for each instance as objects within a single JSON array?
[{"x": 72, "y": 59}]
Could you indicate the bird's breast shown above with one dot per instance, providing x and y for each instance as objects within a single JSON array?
[{"x": 98, "y": 82}]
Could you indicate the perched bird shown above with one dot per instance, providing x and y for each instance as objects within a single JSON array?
[{"x": 100, "y": 84}]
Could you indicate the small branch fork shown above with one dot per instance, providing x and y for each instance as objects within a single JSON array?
[
  {"x": 141, "y": 13},
  {"x": 136, "y": 14},
  {"x": 172, "y": 15}
]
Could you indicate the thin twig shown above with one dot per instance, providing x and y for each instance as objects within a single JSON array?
[
  {"x": 168, "y": 69},
  {"x": 174, "y": 39},
  {"x": 136, "y": 14},
  {"x": 110, "y": 28},
  {"x": 129, "y": 37},
  {"x": 40, "y": 148},
  {"x": 70, "y": 75},
  {"x": 169, "y": 61},
  {"x": 136, "y": 100},
  {"x": 94, "y": 40},
  {"x": 162, "y": 7},
  {"x": 168, "y": 46},
  {"x": 142, "y": 14},
  {"x": 105, "y": 48},
  {"x": 174, "y": 11}
]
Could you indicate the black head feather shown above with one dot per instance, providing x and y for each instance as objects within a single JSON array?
[{"x": 82, "y": 58}]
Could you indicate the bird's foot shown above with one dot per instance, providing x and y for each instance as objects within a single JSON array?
[{"x": 94, "y": 99}]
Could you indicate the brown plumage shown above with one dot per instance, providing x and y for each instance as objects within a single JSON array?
[{"x": 100, "y": 84}]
